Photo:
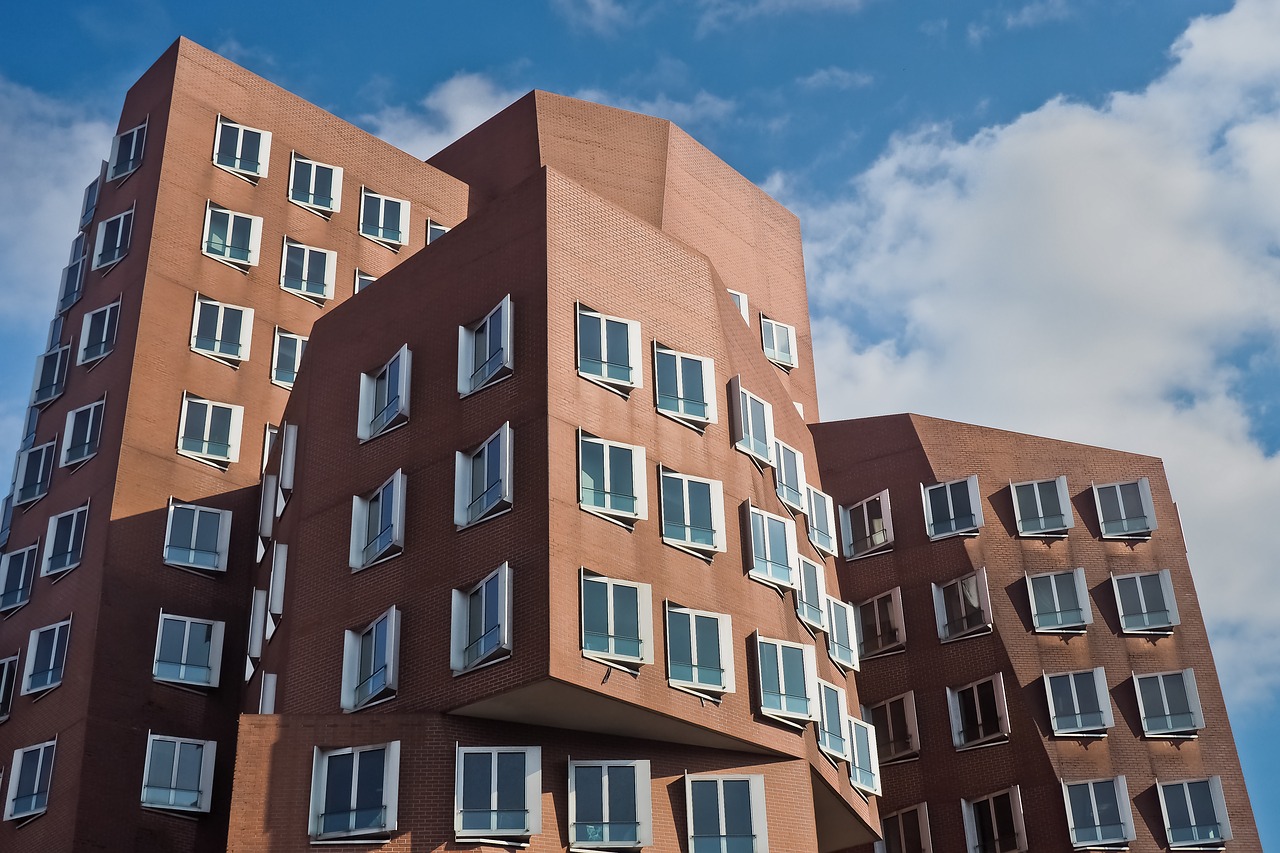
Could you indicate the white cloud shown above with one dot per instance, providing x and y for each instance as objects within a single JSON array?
[
  {"x": 702, "y": 108},
  {"x": 448, "y": 111},
  {"x": 716, "y": 13},
  {"x": 1037, "y": 14},
  {"x": 604, "y": 17},
  {"x": 1089, "y": 273},
  {"x": 835, "y": 77}
]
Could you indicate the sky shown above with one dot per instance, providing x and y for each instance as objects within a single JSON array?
[{"x": 1059, "y": 217}]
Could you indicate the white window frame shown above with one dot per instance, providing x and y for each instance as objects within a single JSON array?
[
  {"x": 947, "y": 632},
  {"x": 842, "y": 633},
  {"x": 42, "y": 458},
  {"x": 1015, "y": 808},
  {"x": 1041, "y": 525},
  {"x": 276, "y": 582},
  {"x": 639, "y": 484},
  {"x": 892, "y": 738},
  {"x": 667, "y": 478},
  {"x": 363, "y": 281},
  {"x": 219, "y": 563},
  {"x": 759, "y": 817},
  {"x": 435, "y": 230},
  {"x": 1061, "y": 621},
  {"x": 1144, "y": 525},
  {"x": 811, "y": 593},
  {"x": 920, "y": 814},
  {"x": 363, "y": 537},
  {"x": 789, "y": 484},
  {"x": 276, "y": 363},
  {"x": 1073, "y": 724},
  {"x": 309, "y": 200},
  {"x": 214, "y": 347},
  {"x": 634, "y": 365},
  {"x": 953, "y": 527},
  {"x": 235, "y": 425},
  {"x": 24, "y": 562},
  {"x": 1194, "y": 711},
  {"x": 43, "y": 394},
  {"x": 1096, "y": 838},
  {"x": 677, "y": 404},
  {"x": 355, "y": 694},
  {"x": 204, "y": 795},
  {"x": 878, "y": 539},
  {"x": 494, "y": 594},
  {"x": 238, "y": 165},
  {"x": 612, "y": 656},
  {"x": 60, "y": 562},
  {"x": 44, "y": 755},
  {"x": 257, "y": 632},
  {"x": 467, "y": 511},
  {"x": 741, "y": 424},
  {"x": 132, "y": 143},
  {"x": 217, "y": 634},
  {"x": 377, "y": 228},
  {"x": 724, "y": 652},
  {"x": 1170, "y": 603},
  {"x": 764, "y": 565},
  {"x": 107, "y": 256},
  {"x": 833, "y": 725},
  {"x": 390, "y": 790},
  {"x": 769, "y": 648},
  {"x": 227, "y": 252},
  {"x": 267, "y": 693},
  {"x": 784, "y": 357},
  {"x": 741, "y": 303},
  {"x": 864, "y": 767},
  {"x": 643, "y": 807},
  {"x": 304, "y": 287},
  {"x": 532, "y": 793},
  {"x": 820, "y": 520},
  {"x": 86, "y": 450},
  {"x": 71, "y": 287},
  {"x": 499, "y": 362},
  {"x": 103, "y": 346},
  {"x": 57, "y": 661},
  {"x": 8, "y": 685},
  {"x": 380, "y": 412},
  {"x": 1219, "y": 809},
  {"x": 898, "y": 627},
  {"x": 989, "y": 731}
]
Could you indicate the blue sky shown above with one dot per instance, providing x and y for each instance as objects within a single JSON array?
[{"x": 1052, "y": 216}]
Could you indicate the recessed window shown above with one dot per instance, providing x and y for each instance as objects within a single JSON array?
[
  {"x": 880, "y": 626},
  {"x": 611, "y": 479},
  {"x": 617, "y": 621},
  {"x": 1125, "y": 510},
  {"x": 821, "y": 520},
  {"x": 286, "y": 355},
  {"x": 257, "y": 632},
  {"x": 243, "y": 151},
  {"x": 952, "y": 508},
  {"x": 833, "y": 717},
  {"x": 178, "y": 773},
  {"x": 867, "y": 526},
  {"x": 363, "y": 280},
  {"x": 1169, "y": 704},
  {"x": 210, "y": 431},
  {"x": 962, "y": 607},
  {"x": 17, "y": 572},
  {"x": 684, "y": 385},
  {"x": 788, "y": 476},
  {"x": 64, "y": 541},
  {"x": 1042, "y": 507},
  {"x": 188, "y": 651},
  {"x": 72, "y": 286},
  {"x": 741, "y": 302},
  {"x": 979, "y": 714},
  {"x": 726, "y": 814},
  {"x": 126, "y": 152},
  {"x": 370, "y": 664},
  {"x": 609, "y": 350},
  {"x": 435, "y": 231},
  {"x": 98, "y": 333},
  {"x": 384, "y": 396},
  {"x": 1098, "y": 812},
  {"x": 482, "y": 622},
  {"x": 699, "y": 651},
  {"x": 8, "y": 685},
  {"x": 498, "y": 792},
  {"x": 377, "y": 522},
  {"x": 1147, "y": 603},
  {"x": 752, "y": 424},
  {"x": 841, "y": 633},
  {"x": 779, "y": 342},
  {"x": 609, "y": 804},
  {"x": 384, "y": 219},
  {"x": 51, "y": 375},
  {"x": 1195, "y": 813},
  {"x": 811, "y": 594},
  {"x": 315, "y": 186},
  {"x": 234, "y": 238},
  {"x": 897, "y": 732},
  {"x": 1079, "y": 703},
  {"x": 355, "y": 791},
  {"x": 197, "y": 537},
  {"x": 788, "y": 680},
  {"x": 46, "y": 657},
  {"x": 35, "y": 470},
  {"x": 692, "y": 513},
  {"x": 485, "y": 352},
  {"x": 864, "y": 768},
  {"x": 906, "y": 831},
  {"x": 308, "y": 271},
  {"x": 29, "y": 781},
  {"x": 83, "y": 431},
  {"x": 482, "y": 480},
  {"x": 1060, "y": 601},
  {"x": 113, "y": 239},
  {"x": 220, "y": 331},
  {"x": 993, "y": 824}
]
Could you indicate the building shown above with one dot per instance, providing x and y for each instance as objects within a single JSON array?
[{"x": 535, "y": 551}]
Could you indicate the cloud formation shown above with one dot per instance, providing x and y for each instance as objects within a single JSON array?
[
  {"x": 835, "y": 77},
  {"x": 702, "y": 109},
  {"x": 603, "y": 17},
  {"x": 447, "y": 112},
  {"x": 717, "y": 13}
]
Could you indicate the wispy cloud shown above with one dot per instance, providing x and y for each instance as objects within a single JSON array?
[
  {"x": 447, "y": 112},
  {"x": 603, "y": 17},
  {"x": 835, "y": 77},
  {"x": 1038, "y": 13},
  {"x": 701, "y": 109},
  {"x": 717, "y": 13}
]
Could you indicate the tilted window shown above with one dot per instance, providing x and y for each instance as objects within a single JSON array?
[
  {"x": 821, "y": 520},
  {"x": 197, "y": 537},
  {"x": 8, "y": 685},
  {"x": 210, "y": 431},
  {"x": 243, "y": 151},
  {"x": 979, "y": 713},
  {"x": 811, "y": 594},
  {"x": 435, "y": 231},
  {"x": 1195, "y": 813},
  {"x": 188, "y": 651},
  {"x": 610, "y": 804},
  {"x": 906, "y": 831},
  {"x": 1042, "y": 507},
  {"x": 17, "y": 573},
  {"x": 1079, "y": 703},
  {"x": 842, "y": 633},
  {"x": 113, "y": 239},
  {"x": 98, "y": 333},
  {"x": 485, "y": 352},
  {"x": 363, "y": 280},
  {"x": 178, "y": 773},
  {"x": 29, "y": 781},
  {"x": 788, "y": 679},
  {"x": 315, "y": 186},
  {"x": 726, "y": 814},
  {"x": 609, "y": 350},
  {"x": 221, "y": 331},
  {"x": 64, "y": 541},
  {"x": 864, "y": 768},
  {"x": 51, "y": 375},
  {"x": 235, "y": 238},
  {"x": 1146, "y": 602},
  {"x": 482, "y": 480},
  {"x": 963, "y": 606},
  {"x": 370, "y": 662},
  {"x": 498, "y": 792},
  {"x": 72, "y": 286},
  {"x": 1098, "y": 812},
  {"x": 752, "y": 424},
  {"x": 993, "y": 824},
  {"x": 384, "y": 219},
  {"x": 384, "y": 396},
  {"x": 867, "y": 526},
  {"x": 897, "y": 732},
  {"x": 1060, "y": 601},
  {"x": 482, "y": 622},
  {"x": 952, "y": 508},
  {"x": 126, "y": 152},
  {"x": 833, "y": 717},
  {"x": 684, "y": 386},
  {"x": 741, "y": 302},
  {"x": 880, "y": 626},
  {"x": 34, "y": 472},
  {"x": 308, "y": 271},
  {"x": 617, "y": 620},
  {"x": 611, "y": 479},
  {"x": 699, "y": 651},
  {"x": 355, "y": 791},
  {"x": 788, "y": 475},
  {"x": 286, "y": 355},
  {"x": 692, "y": 513},
  {"x": 89, "y": 201},
  {"x": 378, "y": 522},
  {"x": 779, "y": 342},
  {"x": 1125, "y": 510},
  {"x": 83, "y": 432},
  {"x": 773, "y": 547},
  {"x": 46, "y": 657},
  {"x": 1169, "y": 704}
]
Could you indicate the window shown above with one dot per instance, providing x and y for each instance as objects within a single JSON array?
[
  {"x": 354, "y": 791},
  {"x": 65, "y": 541},
  {"x": 29, "y": 781},
  {"x": 223, "y": 332},
  {"x": 821, "y": 521},
  {"x": 1169, "y": 704},
  {"x": 832, "y": 725},
  {"x": 210, "y": 431},
  {"x": 178, "y": 774},
  {"x": 46, "y": 656},
  {"x": 384, "y": 396},
  {"x": 72, "y": 286},
  {"x": 788, "y": 679},
  {"x": 482, "y": 481},
  {"x": 617, "y": 620},
  {"x": 377, "y": 522},
  {"x": 485, "y": 353},
  {"x": 17, "y": 572},
  {"x": 1060, "y": 601},
  {"x": 8, "y": 685},
  {"x": 315, "y": 186},
  {"x": 1042, "y": 507},
  {"x": 864, "y": 769},
  {"x": 308, "y": 271},
  {"x": 126, "y": 152},
  {"x": 741, "y": 303},
  {"x": 1147, "y": 603},
  {"x": 1195, "y": 813},
  {"x": 363, "y": 280},
  {"x": 699, "y": 651},
  {"x": 197, "y": 537},
  {"x": 841, "y": 633},
  {"x": 880, "y": 625},
  {"x": 498, "y": 792},
  {"x": 993, "y": 824},
  {"x": 384, "y": 219},
  {"x": 692, "y": 513},
  {"x": 98, "y": 333},
  {"x": 752, "y": 424},
  {"x": 726, "y": 814},
  {"x": 83, "y": 430},
  {"x": 789, "y": 476},
  {"x": 234, "y": 238},
  {"x": 435, "y": 231},
  {"x": 962, "y": 607},
  {"x": 773, "y": 547},
  {"x": 241, "y": 150},
  {"x": 1079, "y": 703},
  {"x": 1125, "y": 510},
  {"x": 89, "y": 201},
  {"x": 779, "y": 342},
  {"x": 897, "y": 733},
  {"x": 906, "y": 831},
  {"x": 811, "y": 594},
  {"x": 952, "y": 508},
  {"x": 482, "y": 622},
  {"x": 370, "y": 662},
  {"x": 34, "y": 471},
  {"x": 683, "y": 385},
  {"x": 113, "y": 239},
  {"x": 188, "y": 651},
  {"x": 979, "y": 714},
  {"x": 867, "y": 526},
  {"x": 1098, "y": 812},
  {"x": 286, "y": 355},
  {"x": 609, "y": 350},
  {"x": 29, "y": 429},
  {"x": 609, "y": 804},
  {"x": 51, "y": 375},
  {"x": 611, "y": 479}
]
